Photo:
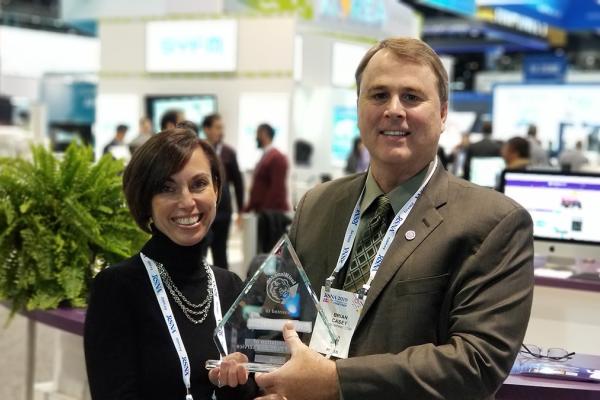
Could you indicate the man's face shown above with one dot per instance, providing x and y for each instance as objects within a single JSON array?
[
  {"x": 400, "y": 116},
  {"x": 146, "y": 126},
  {"x": 260, "y": 138},
  {"x": 214, "y": 133},
  {"x": 507, "y": 153}
]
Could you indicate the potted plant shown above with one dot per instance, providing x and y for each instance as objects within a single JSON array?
[{"x": 61, "y": 221}]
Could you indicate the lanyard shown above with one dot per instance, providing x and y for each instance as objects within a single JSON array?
[
  {"x": 352, "y": 228},
  {"x": 165, "y": 307}
]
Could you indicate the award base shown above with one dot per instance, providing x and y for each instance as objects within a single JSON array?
[{"x": 251, "y": 367}]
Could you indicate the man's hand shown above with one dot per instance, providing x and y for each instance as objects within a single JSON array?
[
  {"x": 306, "y": 376},
  {"x": 231, "y": 372}
]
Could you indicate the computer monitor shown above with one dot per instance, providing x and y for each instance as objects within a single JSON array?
[
  {"x": 485, "y": 171},
  {"x": 63, "y": 133},
  {"x": 194, "y": 107},
  {"x": 564, "y": 209}
]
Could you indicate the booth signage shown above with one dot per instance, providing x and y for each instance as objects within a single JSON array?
[
  {"x": 191, "y": 46},
  {"x": 545, "y": 68}
]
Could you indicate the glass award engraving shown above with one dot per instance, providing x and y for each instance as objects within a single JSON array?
[{"x": 279, "y": 291}]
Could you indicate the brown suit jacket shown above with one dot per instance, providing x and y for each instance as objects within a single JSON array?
[{"x": 447, "y": 311}]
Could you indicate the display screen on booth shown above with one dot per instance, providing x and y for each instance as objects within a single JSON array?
[
  {"x": 485, "y": 171},
  {"x": 562, "y": 205},
  {"x": 563, "y": 114},
  {"x": 194, "y": 108},
  {"x": 191, "y": 46}
]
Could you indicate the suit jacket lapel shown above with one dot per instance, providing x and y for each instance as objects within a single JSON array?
[{"x": 423, "y": 219}]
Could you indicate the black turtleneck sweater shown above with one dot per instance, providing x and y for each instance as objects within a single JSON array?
[{"x": 128, "y": 350}]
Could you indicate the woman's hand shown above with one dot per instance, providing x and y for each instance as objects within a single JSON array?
[{"x": 231, "y": 372}]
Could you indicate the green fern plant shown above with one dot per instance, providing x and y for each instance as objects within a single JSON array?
[{"x": 61, "y": 221}]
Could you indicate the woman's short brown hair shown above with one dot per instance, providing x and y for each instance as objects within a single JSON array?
[
  {"x": 413, "y": 50},
  {"x": 163, "y": 155}
]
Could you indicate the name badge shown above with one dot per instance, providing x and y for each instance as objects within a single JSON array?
[{"x": 342, "y": 309}]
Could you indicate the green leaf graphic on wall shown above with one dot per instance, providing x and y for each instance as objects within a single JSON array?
[{"x": 302, "y": 7}]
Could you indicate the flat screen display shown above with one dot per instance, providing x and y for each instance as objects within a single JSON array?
[
  {"x": 63, "y": 134},
  {"x": 191, "y": 46},
  {"x": 563, "y": 114},
  {"x": 485, "y": 171},
  {"x": 194, "y": 108},
  {"x": 563, "y": 206}
]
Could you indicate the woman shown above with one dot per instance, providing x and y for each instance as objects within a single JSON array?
[
  {"x": 172, "y": 185},
  {"x": 358, "y": 159}
]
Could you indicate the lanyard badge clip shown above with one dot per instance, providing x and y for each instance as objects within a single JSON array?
[
  {"x": 362, "y": 292},
  {"x": 329, "y": 282}
]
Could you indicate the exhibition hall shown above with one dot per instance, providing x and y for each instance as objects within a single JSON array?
[{"x": 299, "y": 199}]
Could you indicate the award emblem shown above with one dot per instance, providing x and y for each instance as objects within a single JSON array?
[{"x": 279, "y": 291}]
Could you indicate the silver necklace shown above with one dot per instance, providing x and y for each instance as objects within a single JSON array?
[{"x": 196, "y": 313}]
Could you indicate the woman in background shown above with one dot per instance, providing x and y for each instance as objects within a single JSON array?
[
  {"x": 150, "y": 322},
  {"x": 358, "y": 160}
]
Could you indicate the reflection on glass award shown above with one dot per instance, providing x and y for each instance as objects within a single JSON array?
[{"x": 278, "y": 292}]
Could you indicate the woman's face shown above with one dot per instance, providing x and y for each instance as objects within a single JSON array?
[{"x": 186, "y": 205}]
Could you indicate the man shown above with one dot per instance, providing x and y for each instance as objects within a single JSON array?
[
  {"x": 447, "y": 309},
  {"x": 116, "y": 146},
  {"x": 170, "y": 119},
  {"x": 145, "y": 133},
  {"x": 573, "y": 159},
  {"x": 269, "y": 190},
  {"x": 538, "y": 156},
  {"x": 486, "y": 147},
  {"x": 516, "y": 153},
  {"x": 213, "y": 129}
]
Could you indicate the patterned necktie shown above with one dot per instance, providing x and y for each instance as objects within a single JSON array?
[{"x": 368, "y": 244}]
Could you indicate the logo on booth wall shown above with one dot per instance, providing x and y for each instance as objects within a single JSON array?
[{"x": 194, "y": 44}]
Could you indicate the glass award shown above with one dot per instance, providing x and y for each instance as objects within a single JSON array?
[{"x": 279, "y": 291}]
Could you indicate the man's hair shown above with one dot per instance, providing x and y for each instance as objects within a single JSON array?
[
  {"x": 210, "y": 119},
  {"x": 519, "y": 145},
  {"x": 170, "y": 116},
  {"x": 413, "y": 50},
  {"x": 154, "y": 162},
  {"x": 122, "y": 128},
  {"x": 268, "y": 129},
  {"x": 486, "y": 128}
]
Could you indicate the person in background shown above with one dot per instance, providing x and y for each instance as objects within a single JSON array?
[
  {"x": 537, "y": 155},
  {"x": 573, "y": 159},
  {"x": 145, "y": 133},
  {"x": 486, "y": 147},
  {"x": 172, "y": 186},
  {"x": 458, "y": 156},
  {"x": 170, "y": 119},
  {"x": 268, "y": 191},
  {"x": 516, "y": 153},
  {"x": 117, "y": 147},
  {"x": 358, "y": 159},
  {"x": 444, "y": 300},
  {"x": 119, "y": 139},
  {"x": 214, "y": 130}
]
